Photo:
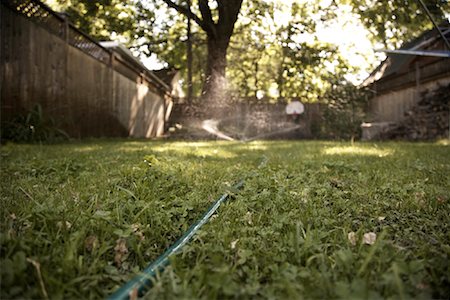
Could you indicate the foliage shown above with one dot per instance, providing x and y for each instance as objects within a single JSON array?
[
  {"x": 397, "y": 21},
  {"x": 270, "y": 57},
  {"x": 217, "y": 20},
  {"x": 267, "y": 56},
  {"x": 34, "y": 126},
  {"x": 343, "y": 112},
  {"x": 170, "y": 44},
  {"x": 92, "y": 214},
  {"x": 250, "y": 68},
  {"x": 107, "y": 19}
]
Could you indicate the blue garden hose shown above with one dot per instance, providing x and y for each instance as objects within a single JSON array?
[{"x": 143, "y": 281}]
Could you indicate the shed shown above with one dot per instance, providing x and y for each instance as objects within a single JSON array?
[{"x": 409, "y": 77}]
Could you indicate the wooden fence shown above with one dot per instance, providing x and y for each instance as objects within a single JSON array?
[
  {"x": 396, "y": 95},
  {"x": 87, "y": 89}
]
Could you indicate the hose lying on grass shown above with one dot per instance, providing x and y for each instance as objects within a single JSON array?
[{"x": 143, "y": 281}]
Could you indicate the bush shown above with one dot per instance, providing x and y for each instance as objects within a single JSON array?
[
  {"x": 344, "y": 112},
  {"x": 32, "y": 127}
]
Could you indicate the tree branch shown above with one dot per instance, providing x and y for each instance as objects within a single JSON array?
[
  {"x": 228, "y": 14},
  {"x": 205, "y": 10},
  {"x": 187, "y": 12}
]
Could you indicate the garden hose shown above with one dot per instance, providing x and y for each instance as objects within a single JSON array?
[{"x": 143, "y": 281}]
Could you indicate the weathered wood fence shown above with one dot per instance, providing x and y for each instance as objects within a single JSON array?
[
  {"x": 87, "y": 89},
  {"x": 396, "y": 96}
]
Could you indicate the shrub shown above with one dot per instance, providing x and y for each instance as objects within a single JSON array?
[
  {"x": 33, "y": 126},
  {"x": 344, "y": 112}
]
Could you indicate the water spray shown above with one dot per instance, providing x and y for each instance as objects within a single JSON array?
[
  {"x": 250, "y": 126},
  {"x": 269, "y": 134},
  {"x": 211, "y": 126},
  {"x": 241, "y": 125}
]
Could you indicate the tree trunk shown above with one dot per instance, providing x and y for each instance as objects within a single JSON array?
[
  {"x": 218, "y": 33},
  {"x": 215, "y": 86},
  {"x": 256, "y": 78},
  {"x": 189, "y": 56}
]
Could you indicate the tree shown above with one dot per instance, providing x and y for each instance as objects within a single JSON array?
[
  {"x": 103, "y": 19},
  {"x": 269, "y": 56},
  {"x": 189, "y": 56},
  {"x": 218, "y": 24},
  {"x": 258, "y": 52},
  {"x": 397, "y": 21},
  {"x": 249, "y": 54}
]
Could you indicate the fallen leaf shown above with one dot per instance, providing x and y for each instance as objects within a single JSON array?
[
  {"x": 91, "y": 243},
  {"x": 120, "y": 249},
  {"x": 137, "y": 231},
  {"x": 133, "y": 294},
  {"x": 248, "y": 218},
  {"x": 369, "y": 238},
  {"x": 352, "y": 238},
  {"x": 64, "y": 225},
  {"x": 233, "y": 244}
]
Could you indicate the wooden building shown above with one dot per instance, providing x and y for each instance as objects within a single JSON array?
[{"x": 407, "y": 78}]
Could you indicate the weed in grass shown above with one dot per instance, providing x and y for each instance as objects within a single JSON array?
[{"x": 92, "y": 214}]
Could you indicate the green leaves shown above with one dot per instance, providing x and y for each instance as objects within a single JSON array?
[{"x": 398, "y": 21}]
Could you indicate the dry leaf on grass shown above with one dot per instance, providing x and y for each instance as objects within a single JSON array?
[
  {"x": 91, "y": 243},
  {"x": 133, "y": 294},
  {"x": 137, "y": 231},
  {"x": 121, "y": 250},
  {"x": 369, "y": 238},
  {"x": 233, "y": 244},
  {"x": 352, "y": 238},
  {"x": 64, "y": 225},
  {"x": 248, "y": 218}
]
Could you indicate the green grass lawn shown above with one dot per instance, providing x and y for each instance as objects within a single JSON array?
[{"x": 80, "y": 219}]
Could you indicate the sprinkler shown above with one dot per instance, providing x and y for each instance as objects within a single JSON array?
[{"x": 236, "y": 129}]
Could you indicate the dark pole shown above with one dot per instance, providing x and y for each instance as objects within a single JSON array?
[
  {"x": 434, "y": 23},
  {"x": 189, "y": 56}
]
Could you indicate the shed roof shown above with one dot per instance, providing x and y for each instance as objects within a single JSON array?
[{"x": 394, "y": 63}]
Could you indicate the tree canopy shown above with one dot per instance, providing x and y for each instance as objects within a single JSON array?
[
  {"x": 217, "y": 21},
  {"x": 396, "y": 21},
  {"x": 266, "y": 47}
]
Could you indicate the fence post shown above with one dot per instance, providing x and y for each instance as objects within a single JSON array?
[
  {"x": 113, "y": 79},
  {"x": 65, "y": 24},
  {"x": 111, "y": 59}
]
